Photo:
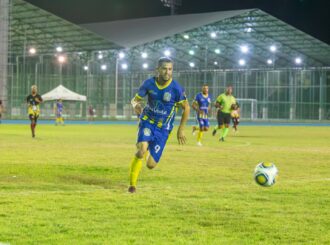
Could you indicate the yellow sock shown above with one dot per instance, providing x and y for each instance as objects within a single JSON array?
[
  {"x": 136, "y": 166},
  {"x": 199, "y": 136}
]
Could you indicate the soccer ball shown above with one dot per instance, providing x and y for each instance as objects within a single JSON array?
[{"x": 265, "y": 174}]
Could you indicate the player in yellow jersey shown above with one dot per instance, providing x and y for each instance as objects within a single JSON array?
[
  {"x": 33, "y": 101},
  {"x": 224, "y": 104},
  {"x": 235, "y": 116}
]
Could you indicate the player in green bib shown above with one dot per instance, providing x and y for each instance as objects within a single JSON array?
[{"x": 224, "y": 105}]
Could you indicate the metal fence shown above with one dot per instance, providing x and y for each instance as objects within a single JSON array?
[{"x": 287, "y": 94}]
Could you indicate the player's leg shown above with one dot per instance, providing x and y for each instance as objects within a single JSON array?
[
  {"x": 218, "y": 126},
  {"x": 56, "y": 120},
  {"x": 32, "y": 124},
  {"x": 225, "y": 128},
  {"x": 200, "y": 132},
  {"x": 234, "y": 123},
  {"x": 195, "y": 127},
  {"x": 156, "y": 147},
  {"x": 136, "y": 164}
]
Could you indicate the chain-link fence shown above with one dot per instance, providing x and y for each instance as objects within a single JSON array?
[{"x": 288, "y": 94}]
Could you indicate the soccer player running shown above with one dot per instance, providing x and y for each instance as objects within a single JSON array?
[
  {"x": 164, "y": 96},
  {"x": 224, "y": 104},
  {"x": 201, "y": 105},
  {"x": 33, "y": 101},
  {"x": 58, "y": 109}
]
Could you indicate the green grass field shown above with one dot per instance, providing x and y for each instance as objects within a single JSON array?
[{"x": 69, "y": 186}]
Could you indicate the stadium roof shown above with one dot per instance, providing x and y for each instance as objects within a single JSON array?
[
  {"x": 252, "y": 27},
  {"x": 32, "y": 26}
]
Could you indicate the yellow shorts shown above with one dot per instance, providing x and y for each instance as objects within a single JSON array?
[{"x": 34, "y": 113}]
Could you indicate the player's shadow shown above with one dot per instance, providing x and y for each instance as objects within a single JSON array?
[{"x": 88, "y": 180}]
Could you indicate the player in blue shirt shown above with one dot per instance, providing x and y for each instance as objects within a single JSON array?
[
  {"x": 164, "y": 96},
  {"x": 202, "y": 106},
  {"x": 58, "y": 109}
]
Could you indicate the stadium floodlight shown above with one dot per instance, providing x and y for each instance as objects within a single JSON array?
[
  {"x": 244, "y": 49},
  {"x": 145, "y": 66},
  {"x": 103, "y": 67},
  {"x": 191, "y": 52},
  {"x": 217, "y": 51},
  {"x": 167, "y": 53},
  {"x": 144, "y": 55},
  {"x": 249, "y": 29},
  {"x": 273, "y": 48},
  {"x": 61, "y": 59},
  {"x": 298, "y": 61},
  {"x": 124, "y": 66},
  {"x": 192, "y": 64},
  {"x": 59, "y": 49},
  {"x": 215, "y": 63},
  {"x": 86, "y": 68},
  {"x": 32, "y": 51},
  {"x": 186, "y": 36},
  {"x": 269, "y": 62},
  {"x": 100, "y": 56},
  {"x": 213, "y": 34},
  {"x": 241, "y": 62},
  {"x": 121, "y": 55}
]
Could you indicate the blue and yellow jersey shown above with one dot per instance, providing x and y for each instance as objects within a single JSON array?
[
  {"x": 59, "y": 107},
  {"x": 162, "y": 101},
  {"x": 203, "y": 104}
]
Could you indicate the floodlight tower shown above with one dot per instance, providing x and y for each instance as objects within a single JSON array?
[{"x": 173, "y": 4}]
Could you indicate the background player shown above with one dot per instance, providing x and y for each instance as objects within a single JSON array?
[
  {"x": 164, "y": 96},
  {"x": 224, "y": 104},
  {"x": 33, "y": 101},
  {"x": 235, "y": 116},
  {"x": 201, "y": 105},
  {"x": 58, "y": 110}
]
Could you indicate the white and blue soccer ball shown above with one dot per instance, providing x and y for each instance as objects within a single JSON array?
[{"x": 265, "y": 174}]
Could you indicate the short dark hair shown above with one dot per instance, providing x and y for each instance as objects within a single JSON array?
[{"x": 164, "y": 60}]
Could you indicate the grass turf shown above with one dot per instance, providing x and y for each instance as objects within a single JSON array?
[{"x": 69, "y": 186}]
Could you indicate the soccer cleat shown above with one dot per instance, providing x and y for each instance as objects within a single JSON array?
[
  {"x": 132, "y": 189},
  {"x": 199, "y": 143},
  {"x": 214, "y": 132},
  {"x": 222, "y": 139},
  {"x": 193, "y": 131}
]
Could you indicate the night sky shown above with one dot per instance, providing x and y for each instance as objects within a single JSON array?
[{"x": 310, "y": 16}]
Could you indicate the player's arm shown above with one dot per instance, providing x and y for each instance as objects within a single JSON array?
[
  {"x": 185, "y": 114},
  {"x": 195, "y": 106},
  {"x": 237, "y": 107},
  {"x": 136, "y": 104},
  {"x": 218, "y": 103},
  {"x": 39, "y": 99}
]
